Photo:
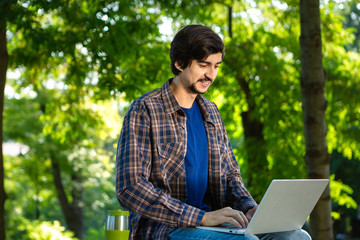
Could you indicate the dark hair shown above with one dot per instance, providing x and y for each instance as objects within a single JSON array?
[{"x": 194, "y": 42}]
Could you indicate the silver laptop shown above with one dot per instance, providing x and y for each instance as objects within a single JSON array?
[{"x": 285, "y": 206}]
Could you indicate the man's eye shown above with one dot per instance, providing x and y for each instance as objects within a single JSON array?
[{"x": 203, "y": 65}]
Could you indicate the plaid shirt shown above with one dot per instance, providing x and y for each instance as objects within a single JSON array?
[{"x": 150, "y": 167}]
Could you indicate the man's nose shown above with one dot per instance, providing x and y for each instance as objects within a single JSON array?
[{"x": 211, "y": 73}]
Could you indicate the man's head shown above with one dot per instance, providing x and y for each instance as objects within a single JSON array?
[{"x": 194, "y": 42}]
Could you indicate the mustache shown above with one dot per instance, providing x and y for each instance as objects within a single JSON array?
[{"x": 205, "y": 79}]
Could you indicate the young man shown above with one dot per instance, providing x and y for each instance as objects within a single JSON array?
[{"x": 175, "y": 166}]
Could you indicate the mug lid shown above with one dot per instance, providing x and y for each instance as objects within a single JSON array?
[{"x": 118, "y": 212}]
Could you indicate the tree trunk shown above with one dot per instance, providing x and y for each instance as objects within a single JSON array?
[
  {"x": 4, "y": 58},
  {"x": 257, "y": 165},
  {"x": 72, "y": 211},
  {"x": 314, "y": 105}
]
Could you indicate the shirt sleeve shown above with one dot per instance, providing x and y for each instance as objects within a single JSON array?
[{"x": 133, "y": 168}]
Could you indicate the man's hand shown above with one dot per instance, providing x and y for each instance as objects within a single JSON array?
[
  {"x": 225, "y": 215},
  {"x": 250, "y": 213}
]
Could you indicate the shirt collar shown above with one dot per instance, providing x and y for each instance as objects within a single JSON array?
[
  {"x": 171, "y": 105},
  {"x": 204, "y": 108}
]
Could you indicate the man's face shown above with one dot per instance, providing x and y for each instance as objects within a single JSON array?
[{"x": 199, "y": 75}]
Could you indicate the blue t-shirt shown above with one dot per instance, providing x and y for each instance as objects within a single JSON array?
[{"x": 196, "y": 159}]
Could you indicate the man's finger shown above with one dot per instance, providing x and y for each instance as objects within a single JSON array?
[
  {"x": 234, "y": 222},
  {"x": 239, "y": 217}
]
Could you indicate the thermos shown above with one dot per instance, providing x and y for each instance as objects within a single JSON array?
[{"x": 117, "y": 222}]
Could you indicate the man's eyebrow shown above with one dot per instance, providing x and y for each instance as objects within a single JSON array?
[{"x": 201, "y": 61}]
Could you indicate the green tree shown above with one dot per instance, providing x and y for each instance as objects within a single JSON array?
[{"x": 49, "y": 40}]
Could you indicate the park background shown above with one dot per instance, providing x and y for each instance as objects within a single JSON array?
[{"x": 74, "y": 66}]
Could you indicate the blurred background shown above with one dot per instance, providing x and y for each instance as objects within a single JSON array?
[{"x": 74, "y": 66}]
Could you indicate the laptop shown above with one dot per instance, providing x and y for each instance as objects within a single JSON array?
[{"x": 285, "y": 206}]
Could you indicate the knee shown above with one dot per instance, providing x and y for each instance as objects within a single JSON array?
[
  {"x": 291, "y": 235},
  {"x": 304, "y": 235},
  {"x": 250, "y": 237}
]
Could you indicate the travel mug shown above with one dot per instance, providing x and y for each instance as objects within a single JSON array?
[{"x": 117, "y": 222}]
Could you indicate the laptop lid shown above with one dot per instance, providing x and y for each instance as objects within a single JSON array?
[{"x": 285, "y": 206}]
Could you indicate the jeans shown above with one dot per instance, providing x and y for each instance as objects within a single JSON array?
[{"x": 197, "y": 234}]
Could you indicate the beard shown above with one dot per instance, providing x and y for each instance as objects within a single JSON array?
[{"x": 193, "y": 88}]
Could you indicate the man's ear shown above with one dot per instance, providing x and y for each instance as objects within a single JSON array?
[{"x": 177, "y": 65}]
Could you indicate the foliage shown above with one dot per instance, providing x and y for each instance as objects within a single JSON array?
[
  {"x": 48, "y": 231},
  {"x": 89, "y": 157},
  {"x": 38, "y": 204},
  {"x": 342, "y": 89},
  {"x": 38, "y": 230},
  {"x": 351, "y": 13},
  {"x": 341, "y": 195},
  {"x": 346, "y": 171}
]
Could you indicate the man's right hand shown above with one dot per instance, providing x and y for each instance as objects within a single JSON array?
[{"x": 225, "y": 215}]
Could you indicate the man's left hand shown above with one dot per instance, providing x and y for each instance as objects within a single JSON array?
[{"x": 250, "y": 213}]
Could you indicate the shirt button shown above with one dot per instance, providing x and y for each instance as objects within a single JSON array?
[{"x": 183, "y": 126}]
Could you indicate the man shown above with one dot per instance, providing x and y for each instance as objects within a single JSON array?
[{"x": 175, "y": 166}]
